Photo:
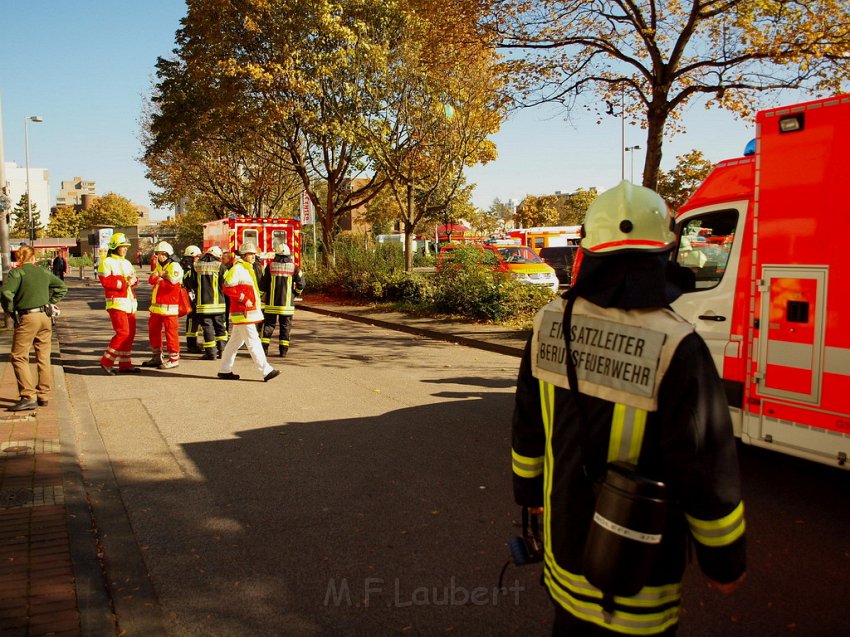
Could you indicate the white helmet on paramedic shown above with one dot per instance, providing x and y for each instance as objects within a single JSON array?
[
  {"x": 248, "y": 248},
  {"x": 192, "y": 251},
  {"x": 215, "y": 251},
  {"x": 282, "y": 248},
  {"x": 164, "y": 246},
  {"x": 627, "y": 218},
  {"x": 117, "y": 240}
]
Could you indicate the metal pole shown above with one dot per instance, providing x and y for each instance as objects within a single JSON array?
[
  {"x": 623, "y": 133},
  {"x": 27, "y": 155},
  {"x": 5, "y": 252}
]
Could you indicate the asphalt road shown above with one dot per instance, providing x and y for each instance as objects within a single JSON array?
[{"x": 366, "y": 491}]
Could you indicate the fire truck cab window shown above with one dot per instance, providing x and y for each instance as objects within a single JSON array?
[{"x": 705, "y": 243}]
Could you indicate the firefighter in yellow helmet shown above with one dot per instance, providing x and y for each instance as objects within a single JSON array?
[
  {"x": 118, "y": 278},
  {"x": 614, "y": 389}
]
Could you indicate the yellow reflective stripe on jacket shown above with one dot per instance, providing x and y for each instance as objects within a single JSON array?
[
  {"x": 122, "y": 303},
  {"x": 720, "y": 532},
  {"x": 628, "y": 425},
  {"x": 526, "y": 467},
  {"x": 618, "y": 621}
]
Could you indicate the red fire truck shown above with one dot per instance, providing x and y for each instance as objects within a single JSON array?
[
  {"x": 771, "y": 297},
  {"x": 264, "y": 232}
]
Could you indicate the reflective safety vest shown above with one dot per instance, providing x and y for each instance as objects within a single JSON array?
[
  {"x": 240, "y": 285},
  {"x": 206, "y": 279},
  {"x": 167, "y": 281},
  {"x": 650, "y": 397},
  {"x": 282, "y": 280},
  {"x": 115, "y": 274}
]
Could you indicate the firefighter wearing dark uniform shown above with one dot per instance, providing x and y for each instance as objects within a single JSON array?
[
  {"x": 190, "y": 256},
  {"x": 648, "y": 395},
  {"x": 281, "y": 283},
  {"x": 206, "y": 279}
]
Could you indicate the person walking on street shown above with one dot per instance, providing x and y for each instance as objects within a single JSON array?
[
  {"x": 118, "y": 278},
  {"x": 59, "y": 266},
  {"x": 615, "y": 388},
  {"x": 167, "y": 279},
  {"x": 240, "y": 285},
  {"x": 207, "y": 279},
  {"x": 190, "y": 255},
  {"x": 30, "y": 294},
  {"x": 282, "y": 281}
]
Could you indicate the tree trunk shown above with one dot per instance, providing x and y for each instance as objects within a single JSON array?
[
  {"x": 328, "y": 225},
  {"x": 656, "y": 120},
  {"x": 408, "y": 230}
]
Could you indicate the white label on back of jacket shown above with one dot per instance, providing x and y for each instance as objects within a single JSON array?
[{"x": 621, "y": 357}]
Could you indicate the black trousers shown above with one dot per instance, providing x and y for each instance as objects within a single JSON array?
[
  {"x": 269, "y": 323},
  {"x": 567, "y": 625},
  {"x": 214, "y": 327}
]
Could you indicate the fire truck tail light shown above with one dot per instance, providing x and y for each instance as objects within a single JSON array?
[{"x": 791, "y": 123}]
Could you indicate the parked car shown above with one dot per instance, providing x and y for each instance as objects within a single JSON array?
[
  {"x": 561, "y": 259},
  {"x": 520, "y": 262}
]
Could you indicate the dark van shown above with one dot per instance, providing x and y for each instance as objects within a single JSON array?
[{"x": 561, "y": 259}]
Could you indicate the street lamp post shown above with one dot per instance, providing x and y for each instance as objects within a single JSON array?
[
  {"x": 27, "y": 120},
  {"x": 632, "y": 149}
]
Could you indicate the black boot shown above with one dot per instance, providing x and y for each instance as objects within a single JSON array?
[
  {"x": 209, "y": 354},
  {"x": 284, "y": 350},
  {"x": 156, "y": 359}
]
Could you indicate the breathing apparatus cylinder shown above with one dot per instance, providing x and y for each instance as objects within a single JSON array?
[{"x": 625, "y": 532}]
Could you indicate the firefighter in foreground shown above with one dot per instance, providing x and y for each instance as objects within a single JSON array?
[
  {"x": 167, "y": 278},
  {"x": 631, "y": 398},
  {"x": 118, "y": 278},
  {"x": 240, "y": 285},
  {"x": 207, "y": 279},
  {"x": 282, "y": 281},
  {"x": 190, "y": 256}
]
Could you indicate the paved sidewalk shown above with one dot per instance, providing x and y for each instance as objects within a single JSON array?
[
  {"x": 48, "y": 563},
  {"x": 51, "y": 573}
]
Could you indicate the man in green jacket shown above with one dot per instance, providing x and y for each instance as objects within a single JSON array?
[{"x": 28, "y": 294}]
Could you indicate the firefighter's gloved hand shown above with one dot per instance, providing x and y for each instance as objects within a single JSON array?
[{"x": 132, "y": 281}]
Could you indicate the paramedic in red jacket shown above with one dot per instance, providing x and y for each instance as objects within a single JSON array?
[
  {"x": 166, "y": 280},
  {"x": 118, "y": 278},
  {"x": 240, "y": 286}
]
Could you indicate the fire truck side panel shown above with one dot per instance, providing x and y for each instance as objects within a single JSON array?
[{"x": 788, "y": 343}]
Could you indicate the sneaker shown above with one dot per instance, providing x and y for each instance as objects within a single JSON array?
[
  {"x": 228, "y": 376},
  {"x": 23, "y": 405},
  {"x": 169, "y": 364},
  {"x": 130, "y": 370},
  {"x": 107, "y": 370},
  {"x": 272, "y": 374}
]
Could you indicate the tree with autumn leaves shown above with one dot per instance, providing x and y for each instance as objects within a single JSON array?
[
  {"x": 652, "y": 58},
  {"x": 314, "y": 88}
]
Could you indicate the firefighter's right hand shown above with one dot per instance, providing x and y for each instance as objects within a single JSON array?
[{"x": 727, "y": 588}]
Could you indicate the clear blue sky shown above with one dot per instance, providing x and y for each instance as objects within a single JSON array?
[{"x": 85, "y": 66}]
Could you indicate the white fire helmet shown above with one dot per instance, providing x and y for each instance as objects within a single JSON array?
[
  {"x": 627, "y": 218},
  {"x": 248, "y": 248},
  {"x": 215, "y": 251},
  {"x": 192, "y": 251},
  {"x": 164, "y": 246},
  {"x": 281, "y": 248}
]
